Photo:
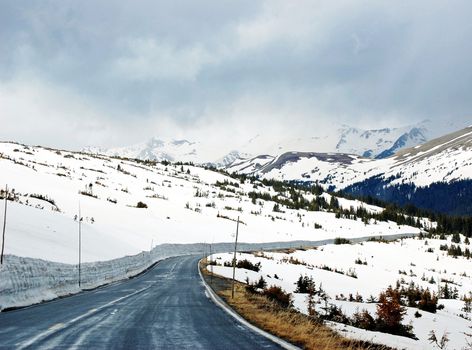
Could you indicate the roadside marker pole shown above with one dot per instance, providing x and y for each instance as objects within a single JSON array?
[
  {"x": 150, "y": 251},
  {"x": 234, "y": 259},
  {"x": 211, "y": 268},
  {"x": 4, "y": 225},
  {"x": 80, "y": 244}
]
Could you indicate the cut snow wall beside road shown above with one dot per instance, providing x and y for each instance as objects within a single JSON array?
[{"x": 27, "y": 281}]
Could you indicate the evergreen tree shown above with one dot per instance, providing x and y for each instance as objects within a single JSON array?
[{"x": 390, "y": 312}]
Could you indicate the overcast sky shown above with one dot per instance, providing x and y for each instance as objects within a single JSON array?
[{"x": 111, "y": 73}]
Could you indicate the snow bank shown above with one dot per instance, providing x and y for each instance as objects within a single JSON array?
[{"x": 27, "y": 281}]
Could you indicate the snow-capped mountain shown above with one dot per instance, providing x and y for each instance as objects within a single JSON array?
[
  {"x": 439, "y": 162},
  {"x": 374, "y": 143},
  {"x": 154, "y": 149},
  {"x": 157, "y": 149},
  {"x": 380, "y": 143},
  {"x": 447, "y": 159},
  {"x": 230, "y": 158},
  {"x": 368, "y": 143}
]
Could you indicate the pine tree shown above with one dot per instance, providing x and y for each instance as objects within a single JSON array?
[
  {"x": 428, "y": 301},
  {"x": 261, "y": 284},
  {"x": 456, "y": 238}
]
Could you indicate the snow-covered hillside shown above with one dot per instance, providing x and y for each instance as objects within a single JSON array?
[
  {"x": 185, "y": 204},
  {"x": 448, "y": 159},
  {"x": 353, "y": 275},
  {"x": 328, "y": 169}
]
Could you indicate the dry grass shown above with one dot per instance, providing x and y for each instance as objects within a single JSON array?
[{"x": 288, "y": 324}]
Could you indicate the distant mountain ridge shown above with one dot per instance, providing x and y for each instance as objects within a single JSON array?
[
  {"x": 380, "y": 143},
  {"x": 368, "y": 143},
  {"x": 154, "y": 149},
  {"x": 447, "y": 158},
  {"x": 436, "y": 175}
]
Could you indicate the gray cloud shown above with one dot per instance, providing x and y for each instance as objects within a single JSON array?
[{"x": 110, "y": 73}]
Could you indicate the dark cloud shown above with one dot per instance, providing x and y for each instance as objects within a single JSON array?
[{"x": 114, "y": 73}]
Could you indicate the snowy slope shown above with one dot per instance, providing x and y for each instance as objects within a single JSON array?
[
  {"x": 185, "y": 205},
  {"x": 422, "y": 262},
  {"x": 447, "y": 159},
  {"x": 328, "y": 169},
  {"x": 250, "y": 166}
]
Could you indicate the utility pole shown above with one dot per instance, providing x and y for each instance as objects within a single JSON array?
[
  {"x": 4, "y": 224},
  {"x": 234, "y": 259},
  {"x": 80, "y": 243}
]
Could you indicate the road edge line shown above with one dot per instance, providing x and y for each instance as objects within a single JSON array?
[{"x": 223, "y": 305}]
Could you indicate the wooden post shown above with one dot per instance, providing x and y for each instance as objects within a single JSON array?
[
  {"x": 234, "y": 259},
  {"x": 4, "y": 225}
]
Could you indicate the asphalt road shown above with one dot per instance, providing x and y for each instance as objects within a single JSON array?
[{"x": 165, "y": 308}]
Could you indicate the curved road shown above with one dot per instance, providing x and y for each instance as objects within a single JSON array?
[{"x": 165, "y": 308}]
